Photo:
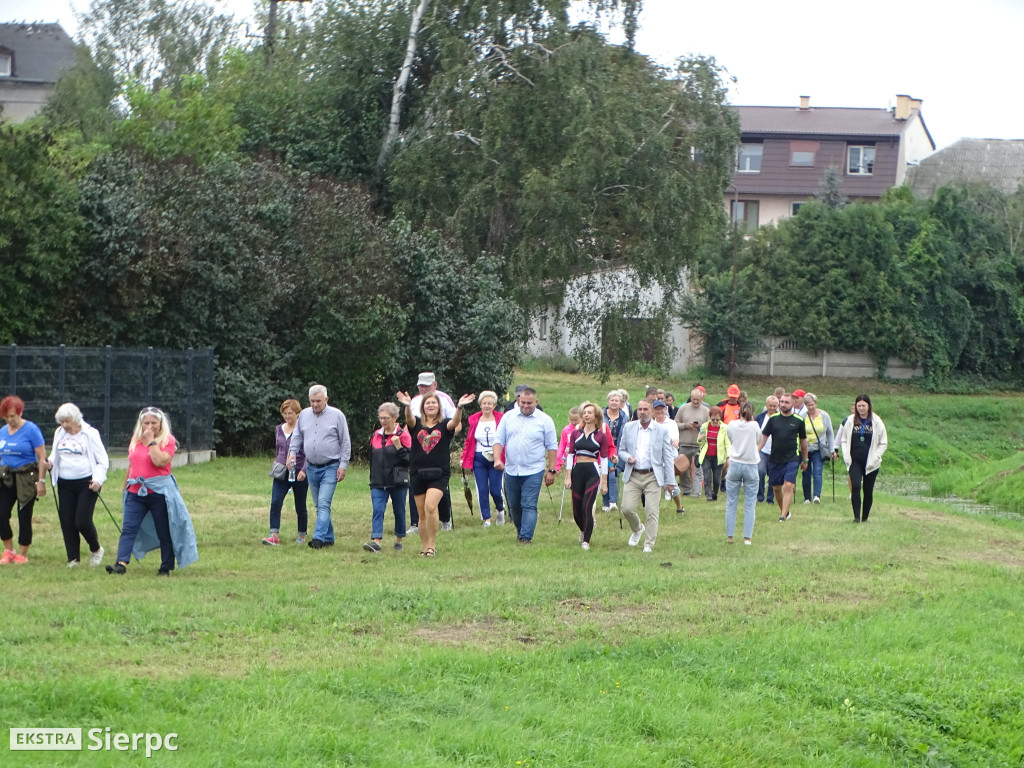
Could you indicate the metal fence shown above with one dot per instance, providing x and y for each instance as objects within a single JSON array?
[{"x": 111, "y": 386}]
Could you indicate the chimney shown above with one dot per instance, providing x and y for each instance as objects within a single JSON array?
[
  {"x": 805, "y": 103},
  {"x": 902, "y": 111},
  {"x": 915, "y": 105}
]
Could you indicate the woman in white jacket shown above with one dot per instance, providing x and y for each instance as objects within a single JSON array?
[
  {"x": 79, "y": 466},
  {"x": 864, "y": 442}
]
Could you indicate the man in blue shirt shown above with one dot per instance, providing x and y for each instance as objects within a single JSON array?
[
  {"x": 524, "y": 447},
  {"x": 321, "y": 432}
]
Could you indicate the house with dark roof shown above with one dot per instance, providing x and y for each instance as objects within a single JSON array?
[
  {"x": 32, "y": 58},
  {"x": 785, "y": 151},
  {"x": 996, "y": 162}
]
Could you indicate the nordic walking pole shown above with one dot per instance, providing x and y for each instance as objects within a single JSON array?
[
  {"x": 832, "y": 461},
  {"x": 102, "y": 501},
  {"x": 561, "y": 504}
]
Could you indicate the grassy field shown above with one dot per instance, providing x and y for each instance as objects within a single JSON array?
[{"x": 825, "y": 644}]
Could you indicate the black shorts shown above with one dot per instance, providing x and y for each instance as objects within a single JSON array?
[{"x": 420, "y": 484}]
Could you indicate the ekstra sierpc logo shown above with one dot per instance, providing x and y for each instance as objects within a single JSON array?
[{"x": 96, "y": 739}]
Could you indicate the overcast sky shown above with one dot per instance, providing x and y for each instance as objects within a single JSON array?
[{"x": 961, "y": 58}]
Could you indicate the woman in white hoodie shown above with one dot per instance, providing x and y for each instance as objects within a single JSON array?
[
  {"x": 864, "y": 442},
  {"x": 78, "y": 468}
]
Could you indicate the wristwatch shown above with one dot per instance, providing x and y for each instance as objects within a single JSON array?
[
  {"x": 151, "y": 444},
  {"x": 552, "y": 471}
]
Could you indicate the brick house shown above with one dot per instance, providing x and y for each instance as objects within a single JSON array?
[{"x": 785, "y": 151}]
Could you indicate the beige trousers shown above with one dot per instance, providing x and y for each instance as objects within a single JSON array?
[{"x": 642, "y": 484}]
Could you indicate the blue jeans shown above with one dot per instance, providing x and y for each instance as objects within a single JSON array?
[
  {"x": 814, "y": 467},
  {"x": 488, "y": 483},
  {"x": 745, "y": 475},
  {"x": 379, "y": 498},
  {"x": 135, "y": 510},
  {"x": 523, "y": 491},
  {"x": 277, "y": 496},
  {"x": 613, "y": 487},
  {"x": 765, "y": 492},
  {"x": 322, "y": 482}
]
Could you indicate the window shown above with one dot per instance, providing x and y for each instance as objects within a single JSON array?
[
  {"x": 748, "y": 158},
  {"x": 860, "y": 161},
  {"x": 796, "y": 208},
  {"x": 5, "y": 65},
  {"x": 696, "y": 156},
  {"x": 801, "y": 153},
  {"x": 543, "y": 334},
  {"x": 744, "y": 214}
]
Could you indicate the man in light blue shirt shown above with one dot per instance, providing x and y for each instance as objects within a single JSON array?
[
  {"x": 322, "y": 433},
  {"x": 524, "y": 447}
]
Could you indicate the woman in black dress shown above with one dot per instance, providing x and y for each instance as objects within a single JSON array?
[{"x": 431, "y": 461}]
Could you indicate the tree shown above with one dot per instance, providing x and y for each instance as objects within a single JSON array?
[
  {"x": 830, "y": 189},
  {"x": 156, "y": 42}
]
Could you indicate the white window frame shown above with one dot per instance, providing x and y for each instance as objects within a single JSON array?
[
  {"x": 740, "y": 156},
  {"x": 542, "y": 334},
  {"x": 6, "y": 61},
  {"x": 861, "y": 165}
]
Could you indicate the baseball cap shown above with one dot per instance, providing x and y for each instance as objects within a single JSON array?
[
  {"x": 798, "y": 393},
  {"x": 426, "y": 379},
  {"x": 733, "y": 391},
  {"x": 659, "y": 404}
]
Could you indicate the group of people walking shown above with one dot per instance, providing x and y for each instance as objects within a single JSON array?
[
  {"x": 154, "y": 515},
  {"x": 639, "y": 453}
]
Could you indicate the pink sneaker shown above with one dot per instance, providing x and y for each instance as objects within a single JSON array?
[
  {"x": 272, "y": 540},
  {"x": 8, "y": 557},
  {"x": 19, "y": 559}
]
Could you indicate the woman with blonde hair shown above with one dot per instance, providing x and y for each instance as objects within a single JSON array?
[
  {"x": 284, "y": 479},
  {"x": 154, "y": 512},
  {"x": 478, "y": 456},
  {"x": 431, "y": 461},
  {"x": 78, "y": 468},
  {"x": 586, "y": 464}
]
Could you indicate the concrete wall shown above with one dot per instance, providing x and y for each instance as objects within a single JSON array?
[
  {"x": 793, "y": 363},
  {"x": 21, "y": 100}
]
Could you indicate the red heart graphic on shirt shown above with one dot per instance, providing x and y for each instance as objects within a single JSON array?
[{"x": 429, "y": 440}]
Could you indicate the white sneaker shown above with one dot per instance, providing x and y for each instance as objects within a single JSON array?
[
  {"x": 585, "y": 545},
  {"x": 95, "y": 558},
  {"x": 806, "y": 501},
  {"x": 487, "y": 523},
  {"x": 817, "y": 500},
  {"x": 635, "y": 538},
  {"x": 648, "y": 549},
  {"x": 613, "y": 507},
  {"x": 446, "y": 526},
  {"x": 75, "y": 563},
  {"x": 606, "y": 508},
  {"x": 413, "y": 529},
  {"x": 500, "y": 519}
]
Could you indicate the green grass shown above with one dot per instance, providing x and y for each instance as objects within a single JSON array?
[{"x": 825, "y": 644}]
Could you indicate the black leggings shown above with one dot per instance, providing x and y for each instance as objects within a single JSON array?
[
  {"x": 8, "y": 501},
  {"x": 857, "y": 477},
  {"x": 586, "y": 482},
  {"x": 77, "y": 502}
]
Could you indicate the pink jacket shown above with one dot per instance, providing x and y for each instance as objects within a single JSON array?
[{"x": 469, "y": 450}]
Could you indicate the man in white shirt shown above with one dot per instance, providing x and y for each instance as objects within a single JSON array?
[{"x": 647, "y": 450}]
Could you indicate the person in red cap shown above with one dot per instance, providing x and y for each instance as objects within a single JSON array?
[{"x": 731, "y": 405}]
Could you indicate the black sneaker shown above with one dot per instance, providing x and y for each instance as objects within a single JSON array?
[
  {"x": 316, "y": 544},
  {"x": 117, "y": 568},
  {"x": 163, "y": 572},
  {"x": 371, "y": 546}
]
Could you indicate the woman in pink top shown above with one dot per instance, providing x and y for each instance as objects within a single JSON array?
[
  {"x": 563, "y": 444},
  {"x": 149, "y": 456}
]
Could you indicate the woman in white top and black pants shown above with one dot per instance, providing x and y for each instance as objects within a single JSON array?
[{"x": 79, "y": 466}]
